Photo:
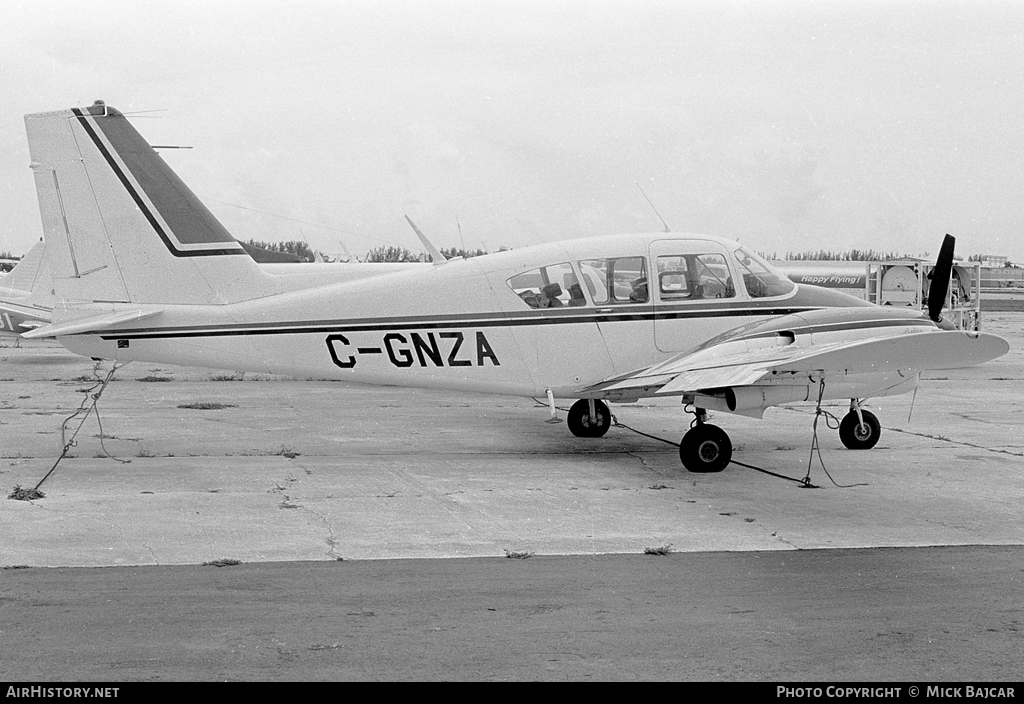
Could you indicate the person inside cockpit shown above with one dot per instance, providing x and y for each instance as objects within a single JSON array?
[
  {"x": 639, "y": 294},
  {"x": 549, "y": 296}
]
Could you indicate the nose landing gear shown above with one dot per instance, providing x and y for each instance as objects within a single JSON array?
[{"x": 589, "y": 418}]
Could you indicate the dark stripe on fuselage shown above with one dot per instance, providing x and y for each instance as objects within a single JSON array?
[
  {"x": 435, "y": 322},
  {"x": 460, "y": 321},
  {"x": 838, "y": 327},
  {"x": 83, "y": 120}
]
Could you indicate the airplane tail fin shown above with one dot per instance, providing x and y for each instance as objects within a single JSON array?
[
  {"x": 119, "y": 223},
  {"x": 30, "y": 275}
]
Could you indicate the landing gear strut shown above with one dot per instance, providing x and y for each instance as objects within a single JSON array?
[
  {"x": 705, "y": 447},
  {"x": 859, "y": 429},
  {"x": 589, "y": 418}
]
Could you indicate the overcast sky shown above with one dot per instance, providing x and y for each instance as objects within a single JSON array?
[{"x": 787, "y": 125}]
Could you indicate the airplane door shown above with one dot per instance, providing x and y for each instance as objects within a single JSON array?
[
  {"x": 555, "y": 329},
  {"x": 618, "y": 290},
  {"x": 693, "y": 293}
]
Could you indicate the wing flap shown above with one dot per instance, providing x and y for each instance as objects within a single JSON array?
[
  {"x": 640, "y": 379},
  {"x": 698, "y": 379}
]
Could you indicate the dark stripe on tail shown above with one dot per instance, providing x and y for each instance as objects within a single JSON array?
[{"x": 145, "y": 209}]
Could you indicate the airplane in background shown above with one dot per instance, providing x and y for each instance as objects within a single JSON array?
[
  {"x": 26, "y": 297},
  {"x": 143, "y": 271}
]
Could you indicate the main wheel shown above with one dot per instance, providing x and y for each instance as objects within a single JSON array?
[
  {"x": 860, "y": 436},
  {"x": 705, "y": 448},
  {"x": 582, "y": 425}
]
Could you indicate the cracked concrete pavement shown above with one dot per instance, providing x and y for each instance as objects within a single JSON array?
[
  {"x": 267, "y": 469},
  {"x": 319, "y": 490}
]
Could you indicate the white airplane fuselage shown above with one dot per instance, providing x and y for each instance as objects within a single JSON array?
[
  {"x": 462, "y": 325},
  {"x": 142, "y": 270}
]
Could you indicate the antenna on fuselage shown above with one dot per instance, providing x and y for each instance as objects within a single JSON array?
[
  {"x": 667, "y": 229},
  {"x": 435, "y": 254}
]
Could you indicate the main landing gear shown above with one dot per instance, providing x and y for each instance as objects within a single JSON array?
[
  {"x": 705, "y": 447},
  {"x": 859, "y": 429},
  {"x": 589, "y": 418}
]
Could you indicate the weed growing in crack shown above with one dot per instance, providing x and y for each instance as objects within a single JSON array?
[
  {"x": 662, "y": 550},
  {"x": 226, "y": 562},
  {"x": 237, "y": 376},
  {"x": 19, "y": 493}
]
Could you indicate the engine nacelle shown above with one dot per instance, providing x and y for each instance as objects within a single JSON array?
[{"x": 751, "y": 400}]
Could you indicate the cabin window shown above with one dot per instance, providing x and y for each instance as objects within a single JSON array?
[
  {"x": 694, "y": 276},
  {"x": 760, "y": 280},
  {"x": 551, "y": 286},
  {"x": 615, "y": 281}
]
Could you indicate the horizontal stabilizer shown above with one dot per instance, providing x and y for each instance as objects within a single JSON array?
[
  {"x": 18, "y": 317},
  {"x": 96, "y": 323}
]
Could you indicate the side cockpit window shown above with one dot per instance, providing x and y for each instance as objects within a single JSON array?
[
  {"x": 693, "y": 277},
  {"x": 553, "y": 286},
  {"x": 614, "y": 281},
  {"x": 760, "y": 280}
]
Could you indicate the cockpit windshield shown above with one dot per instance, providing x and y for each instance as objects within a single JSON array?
[{"x": 760, "y": 279}]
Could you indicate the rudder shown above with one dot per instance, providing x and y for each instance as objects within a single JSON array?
[{"x": 121, "y": 225}]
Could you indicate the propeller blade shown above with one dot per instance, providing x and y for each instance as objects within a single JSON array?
[{"x": 940, "y": 278}]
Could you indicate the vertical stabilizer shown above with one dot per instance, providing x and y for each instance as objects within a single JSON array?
[
  {"x": 119, "y": 224},
  {"x": 31, "y": 274}
]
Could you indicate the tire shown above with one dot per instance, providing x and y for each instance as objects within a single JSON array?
[
  {"x": 582, "y": 425},
  {"x": 860, "y": 436},
  {"x": 705, "y": 448}
]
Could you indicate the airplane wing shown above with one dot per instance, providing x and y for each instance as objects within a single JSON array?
[{"x": 786, "y": 358}]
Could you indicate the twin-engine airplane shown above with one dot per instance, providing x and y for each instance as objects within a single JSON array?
[{"x": 143, "y": 271}]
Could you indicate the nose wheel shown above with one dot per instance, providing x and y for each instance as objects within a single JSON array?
[
  {"x": 705, "y": 447},
  {"x": 589, "y": 418}
]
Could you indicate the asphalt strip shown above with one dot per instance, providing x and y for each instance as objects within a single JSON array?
[{"x": 896, "y": 614}]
